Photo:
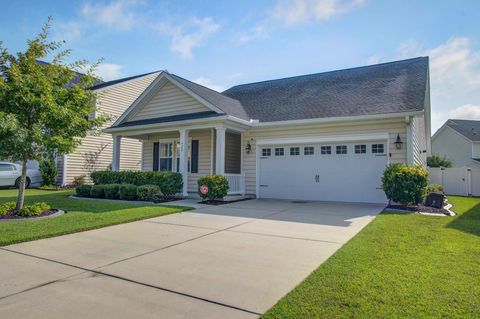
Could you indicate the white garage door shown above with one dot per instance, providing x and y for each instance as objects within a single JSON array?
[{"x": 348, "y": 172}]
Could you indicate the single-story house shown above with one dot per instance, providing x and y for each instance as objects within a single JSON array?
[
  {"x": 325, "y": 136},
  {"x": 95, "y": 151},
  {"x": 458, "y": 141}
]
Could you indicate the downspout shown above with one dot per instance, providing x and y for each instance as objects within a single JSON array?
[{"x": 408, "y": 121}]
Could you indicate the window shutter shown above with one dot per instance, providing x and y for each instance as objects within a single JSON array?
[
  {"x": 194, "y": 165},
  {"x": 156, "y": 154}
]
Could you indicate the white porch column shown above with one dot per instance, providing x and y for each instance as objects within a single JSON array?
[
  {"x": 117, "y": 141},
  {"x": 220, "y": 151},
  {"x": 183, "y": 169}
]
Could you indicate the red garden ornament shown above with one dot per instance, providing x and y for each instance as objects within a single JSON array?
[{"x": 204, "y": 189}]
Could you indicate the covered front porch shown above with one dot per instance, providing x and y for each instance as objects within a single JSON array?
[{"x": 193, "y": 151}]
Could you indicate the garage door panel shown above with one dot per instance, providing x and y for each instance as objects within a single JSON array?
[{"x": 330, "y": 177}]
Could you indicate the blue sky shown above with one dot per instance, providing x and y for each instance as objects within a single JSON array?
[{"x": 223, "y": 43}]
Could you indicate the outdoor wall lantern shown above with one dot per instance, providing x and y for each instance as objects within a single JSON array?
[
  {"x": 398, "y": 142},
  {"x": 248, "y": 147}
]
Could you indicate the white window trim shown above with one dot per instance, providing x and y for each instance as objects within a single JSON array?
[{"x": 175, "y": 156}]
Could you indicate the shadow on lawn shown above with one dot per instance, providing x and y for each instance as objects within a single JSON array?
[{"x": 468, "y": 222}]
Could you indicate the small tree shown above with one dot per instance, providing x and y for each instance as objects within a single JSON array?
[
  {"x": 41, "y": 110},
  {"x": 216, "y": 186},
  {"x": 48, "y": 170},
  {"x": 437, "y": 161}
]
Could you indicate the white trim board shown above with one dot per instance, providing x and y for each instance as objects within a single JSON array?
[{"x": 323, "y": 139}]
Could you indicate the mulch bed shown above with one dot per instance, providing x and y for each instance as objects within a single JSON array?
[
  {"x": 420, "y": 208},
  {"x": 217, "y": 202},
  {"x": 166, "y": 200},
  {"x": 11, "y": 214}
]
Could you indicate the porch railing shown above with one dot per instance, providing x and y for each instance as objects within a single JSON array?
[{"x": 236, "y": 183}]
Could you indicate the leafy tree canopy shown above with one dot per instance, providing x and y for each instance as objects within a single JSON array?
[
  {"x": 437, "y": 161},
  {"x": 44, "y": 107}
]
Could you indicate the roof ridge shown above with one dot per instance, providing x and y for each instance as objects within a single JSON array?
[
  {"x": 203, "y": 86},
  {"x": 332, "y": 71},
  {"x": 120, "y": 80}
]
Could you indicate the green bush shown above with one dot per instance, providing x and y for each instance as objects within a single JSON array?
[
  {"x": 83, "y": 190},
  {"x": 148, "y": 192},
  {"x": 5, "y": 208},
  {"x": 112, "y": 191},
  {"x": 217, "y": 186},
  {"x": 33, "y": 210},
  {"x": 127, "y": 192},
  {"x": 170, "y": 183},
  {"x": 405, "y": 184},
  {"x": 97, "y": 191},
  {"x": 48, "y": 171}
]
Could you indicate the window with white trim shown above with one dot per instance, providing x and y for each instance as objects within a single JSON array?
[
  {"x": 266, "y": 152},
  {"x": 378, "y": 148},
  {"x": 166, "y": 157},
  {"x": 360, "y": 149},
  {"x": 325, "y": 150},
  {"x": 308, "y": 150},
  {"x": 341, "y": 149},
  {"x": 294, "y": 151},
  {"x": 279, "y": 151}
]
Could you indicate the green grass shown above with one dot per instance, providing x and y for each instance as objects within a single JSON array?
[
  {"x": 399, "y": 266},
  {"x": 81, "y": 215}
]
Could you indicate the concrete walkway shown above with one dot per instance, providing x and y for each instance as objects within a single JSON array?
[{"x": 230, "y": 261}]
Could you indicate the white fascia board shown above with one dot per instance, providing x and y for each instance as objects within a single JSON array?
[
  {"x": 124, "y": 82},
  {"x": 323, "y": 139},
  {"x": 337, "y": 119},
  {"x": 139, "y": 99}
]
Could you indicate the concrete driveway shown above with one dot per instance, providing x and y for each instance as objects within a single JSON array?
[{"x": 229, "y": 261}]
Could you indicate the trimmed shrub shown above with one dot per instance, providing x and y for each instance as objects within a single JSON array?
[
  {"x": 5, "y": 208},
  {"x": 217, "y": 186},
  {"x": 170, "y": 183},
  {"x": 127, "y": 192},
  {"x": 148, "y": 192},
  {"x": 33, "y": 210},
  {"x": 83, "y": 190},
  {"x": 437, "y": 161},
  {"x": 111, "y": 191},
  {"x": 97, "y": 191},
  {"x": 405, "y": 184}
]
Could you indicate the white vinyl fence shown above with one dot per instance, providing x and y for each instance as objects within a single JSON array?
[{"x": 461, "y": 181}]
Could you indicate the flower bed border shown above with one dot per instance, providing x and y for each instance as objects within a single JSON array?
[{"x": 58, "y": 213}]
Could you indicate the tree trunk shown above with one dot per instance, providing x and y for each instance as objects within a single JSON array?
[{"x": 21, "y": 188}]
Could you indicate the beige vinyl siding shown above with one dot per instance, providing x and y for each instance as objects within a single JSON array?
[
  {"x": 168, "y": 100},
  {"x": 419, "y": 141},
  {"x": 204, "y": 154},
  {"x": 95, "y": 151},
  {"x": 391, "y": 127},
  {"x": 233, "y": 153}
]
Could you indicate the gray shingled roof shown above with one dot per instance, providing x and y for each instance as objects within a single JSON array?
[
  {"x": 468, "y": 128},
  {"x": 226, "y": 104},
  {"x": 376, "y": 89},
  {"x": 172, "y": 118}
]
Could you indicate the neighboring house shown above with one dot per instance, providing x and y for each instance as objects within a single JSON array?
[
  {"x": 95, "y": 151},
  {"x": 459, "y": 141},
  {"x": 325, "y": 136}
]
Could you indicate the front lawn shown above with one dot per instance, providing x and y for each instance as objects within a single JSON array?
[
  {"x": 399, "y": 266},
  {"x": 81, "y": 215}
]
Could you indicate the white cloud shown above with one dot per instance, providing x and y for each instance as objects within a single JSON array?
[
  {"x": 184, "y": 38},
  {"x": 209, "y": 84},
  {"x": 258, "y": 32},
  {"x": 109, "y": 71},
  {"x": 116, "y": 14},
  {"x": 300, "y": 11},
  {"x": 454, "y": 77}
]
